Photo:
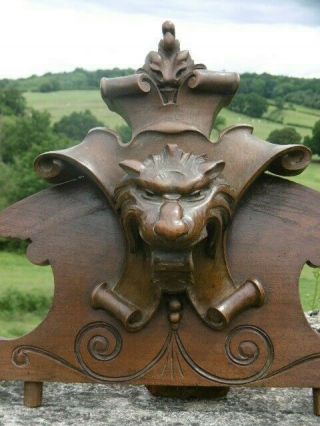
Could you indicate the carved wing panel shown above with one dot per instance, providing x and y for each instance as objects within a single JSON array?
[{"x": 78, "y": 210}]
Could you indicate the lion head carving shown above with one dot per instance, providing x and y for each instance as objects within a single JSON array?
[{"x": 173, "y": 200}]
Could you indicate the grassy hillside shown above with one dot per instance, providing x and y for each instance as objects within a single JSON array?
[
  {"x": 65, "y": 102},
  {"x": 26, "y": 292},
  {"x": 302, "y": 91},
  {"x": 78, "y": 79},
  {"x": 310, "y": 177}
]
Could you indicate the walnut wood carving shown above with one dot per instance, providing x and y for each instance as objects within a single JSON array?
[{"x": 176, "y": 260}]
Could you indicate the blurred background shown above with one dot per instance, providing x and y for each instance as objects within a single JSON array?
[{"x": 54, "y": 53}]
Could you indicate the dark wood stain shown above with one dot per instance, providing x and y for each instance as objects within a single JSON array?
[{"x": 176, "y": 260}]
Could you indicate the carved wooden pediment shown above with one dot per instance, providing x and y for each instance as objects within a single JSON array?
[
  {"x": 172, "y": 178},
  {"x": 173, "y": 256}
]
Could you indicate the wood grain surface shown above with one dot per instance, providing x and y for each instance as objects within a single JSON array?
[{"x": 271, "y": 237}]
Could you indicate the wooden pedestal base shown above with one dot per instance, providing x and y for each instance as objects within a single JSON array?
[
  {"x": 316, "y": 401},
  {"x": 32, "y": 394},
  {"x": 188, "y": 392}
]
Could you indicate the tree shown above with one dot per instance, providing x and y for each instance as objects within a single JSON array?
[
  {"x": 50, "y": 86},
  {"x": 238, "y": 103},
  {"x": 279, "y": 103},
  {"x": 287, "y": 135},
  {"x": 12, "y": 102},
  {"x": 124, "y": 132},
  {"x": 219, "y": 123},
  {"x": 313, "y": 142},
  {"x": 23, "y": 178},
  {"x": 250, "y": 104},
  {"x": 76, "y": 125},
  {"x": 18, "y": 135},
  {"x": 21, "y": 140}
]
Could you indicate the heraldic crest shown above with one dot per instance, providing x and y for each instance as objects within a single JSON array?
[{"x": 174, "y": 190}]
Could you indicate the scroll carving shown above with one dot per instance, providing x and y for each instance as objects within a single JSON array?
[
  {"x": 174, "y": 191},
  {"x": 102, "y": 342},
  {"x": 176, "y": 259},
  {"x": 245, "y": 346},
  {"x": 241, "y": 353}
]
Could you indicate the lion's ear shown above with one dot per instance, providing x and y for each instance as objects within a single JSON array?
[
  {"x": 212, "y": 169},
  {"x": 132, "y": 167}
]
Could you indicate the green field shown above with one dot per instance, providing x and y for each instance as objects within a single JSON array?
[
  {"x": 310, "y": 177},
  {"x": 65, "y": 102},
  {"x": 26, "y": 290}
]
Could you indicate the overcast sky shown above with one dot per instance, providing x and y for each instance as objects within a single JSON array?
[{"x": 275, "y": 36}]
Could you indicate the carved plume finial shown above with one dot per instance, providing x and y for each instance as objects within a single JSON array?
[
  {"x": 168, "y": 27},
  {"x": 170, "y": 93},
  {"x": 169, "y": 65},
  {"x": 169, "y": 42}
]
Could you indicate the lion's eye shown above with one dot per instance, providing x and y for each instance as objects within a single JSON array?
[
  {"x": 197, "y": 195},
  {"x": 149, "y": 195}
]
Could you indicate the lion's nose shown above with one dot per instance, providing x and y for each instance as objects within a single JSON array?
[{"x": 170, "y": 224}]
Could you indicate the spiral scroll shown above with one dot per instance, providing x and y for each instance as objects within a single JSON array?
[
  {"x": 244, "y": 346},
  {"x": 102, "y": 342},
  {"x": 102, "y": 347},
  {"x": 241, "y": 351},
  {"x": 248, "y": 351},
  {"x": 20, "y": 357},
  {"x": 292, "y": 161}
]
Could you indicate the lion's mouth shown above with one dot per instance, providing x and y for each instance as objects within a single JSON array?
[{"x": 172, "y": 271}]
